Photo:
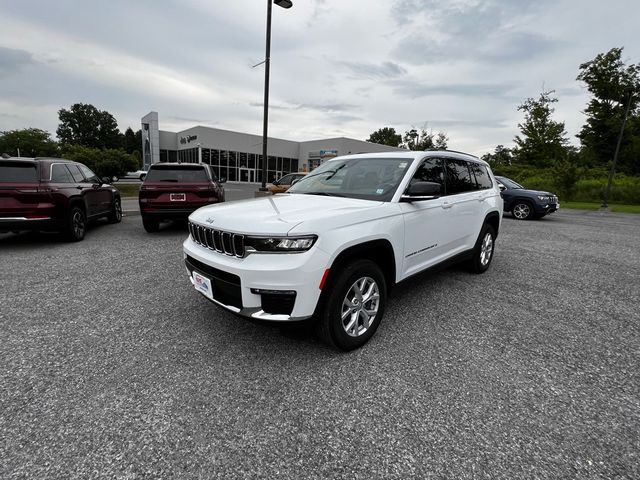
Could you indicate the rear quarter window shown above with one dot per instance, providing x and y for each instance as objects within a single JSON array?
[
  {"x": 180, "y": 174},
  {"x": 18, "y": 172}
]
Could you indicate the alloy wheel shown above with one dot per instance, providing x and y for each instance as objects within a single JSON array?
[
  {"x": 360, "y": 306},
  {"x": 521, "y": 211},
  {"x": 486, "y": 249}
]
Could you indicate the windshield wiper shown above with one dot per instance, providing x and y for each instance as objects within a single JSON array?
[{"x": 324, "y": 194}]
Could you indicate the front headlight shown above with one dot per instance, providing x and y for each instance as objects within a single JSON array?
[
  {"x": 543, "y": 198},
  {"x": 280, "y": 244}
]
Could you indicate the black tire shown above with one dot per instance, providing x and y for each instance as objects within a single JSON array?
[
  {"x": 331, "y": 328},
  {"x": 151, "y": 225},
  {"x": 142, "y": 177},
  {"x": 483, "y": 250},
  {"x": 522, "y": 210},
  {"x": 116, "y": 214},
  {"x": 76, "y": 224}
]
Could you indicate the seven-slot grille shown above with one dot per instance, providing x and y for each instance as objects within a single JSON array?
[{"x": 231, "y": 244}]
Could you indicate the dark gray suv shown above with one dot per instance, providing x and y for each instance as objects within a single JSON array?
[{"x": 526, "y": 204}]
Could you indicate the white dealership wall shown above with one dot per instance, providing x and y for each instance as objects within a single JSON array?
[{"x": 309, "y": 153}]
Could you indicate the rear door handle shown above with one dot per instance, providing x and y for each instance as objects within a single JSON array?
[{"x": 447, "y": 204}]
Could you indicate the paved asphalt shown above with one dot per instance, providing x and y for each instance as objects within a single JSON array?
[{"x": 114, "y": 367}]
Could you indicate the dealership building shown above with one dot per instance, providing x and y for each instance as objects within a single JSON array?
[{"x": 237, "y": 156}]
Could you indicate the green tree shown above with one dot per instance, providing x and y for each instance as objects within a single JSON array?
[
  {"x": 28, "y": 142},
  {"x": 85, "y": 125},
  {"x": 424, "y": 140},
  {"x": 543, "y": 141},
  {"x": 501, "y": 156},
  {"x": 612, "y": 85},
  {"x": 105, "y": 163},
  {"x": 129, "y": 141},
  {"x": 386, "y": 136}
]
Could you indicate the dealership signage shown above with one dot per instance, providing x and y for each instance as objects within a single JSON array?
[
  {"x": 188, "y": 139},
  {"x": 328, "y": 153}
]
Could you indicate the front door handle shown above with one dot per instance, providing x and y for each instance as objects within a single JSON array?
[{"x": 447, "y": 204}]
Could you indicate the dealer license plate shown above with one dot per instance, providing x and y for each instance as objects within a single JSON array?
[
  {"x": 203, "y": 285},
  {"x": 178, "y": 197}
]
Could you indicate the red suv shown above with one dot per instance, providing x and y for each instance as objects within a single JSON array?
[
  {"x": 173, "y": 191},
  {"x": 52, "y": 194}
]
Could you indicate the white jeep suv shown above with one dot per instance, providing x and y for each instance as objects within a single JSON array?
[{"x": 340, "y": 238}]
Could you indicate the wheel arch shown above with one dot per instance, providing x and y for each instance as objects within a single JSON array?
[
  {"x": 378, "y": 251},
  {"x": 493, "y": 219}
]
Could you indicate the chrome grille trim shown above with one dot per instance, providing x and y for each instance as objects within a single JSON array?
[{"x": 228, "y": 243}]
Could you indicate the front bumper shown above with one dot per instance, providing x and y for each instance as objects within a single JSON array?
[
  {"x": 260, "y": 284},
  {"x": 546, "y": 207}
]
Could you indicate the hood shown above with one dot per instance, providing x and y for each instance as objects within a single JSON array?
[
  {"x": 532, "y": 192},
  {"x": 278, "y": 214}
]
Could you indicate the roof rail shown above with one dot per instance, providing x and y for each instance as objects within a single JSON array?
[{"x": 463, "y": 153}]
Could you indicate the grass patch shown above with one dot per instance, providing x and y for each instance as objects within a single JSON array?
[
  {"x": 128, "y": 190},
  {"x": 596, "y": 206}
]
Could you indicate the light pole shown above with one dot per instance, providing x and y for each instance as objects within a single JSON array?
[
  {"x": 267, "y": 61},
  {"x": 605, "y": 203}
]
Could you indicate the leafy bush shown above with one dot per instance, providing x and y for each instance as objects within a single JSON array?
[
  {"x": 105, "y": 163},
  {"x": 575, "y": 184}
]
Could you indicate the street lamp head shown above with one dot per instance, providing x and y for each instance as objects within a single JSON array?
[{"x": 283, "y": 3}]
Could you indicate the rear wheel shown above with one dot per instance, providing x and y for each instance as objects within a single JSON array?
[
  {"x": 142, "y": 177},
  {"x": 151, "y": 225},
  {"x": 355, "y": 306},
  {"x": 483, "y": 250},
  {"x": 76, "y": 224},
  {"x": 116, "y": 214},
  {"x": 522, "y": 211}
]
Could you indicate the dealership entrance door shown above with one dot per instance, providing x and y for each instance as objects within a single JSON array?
[{"x": 247, "y": 175}]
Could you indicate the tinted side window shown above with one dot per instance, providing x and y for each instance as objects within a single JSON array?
[
  {"x": 482, "y": 176},
  {"x": 458, "y": 177},
  {"x": 430, "y": 170},
  {"x": 286, "y": 180},
  {"x": 89, "y": 175},
  {"x": 213, "y": 173},
  {"x": 77, "y": 175},
  {"x": 60, "y": 174}
]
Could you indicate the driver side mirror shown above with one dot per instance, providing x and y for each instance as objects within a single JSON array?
[
  {"x": 106, "y": 180},
  {"x": 222, "y": 180},
  {"x": 502, "y": 187},
  {"x": 421, "y": 191}
]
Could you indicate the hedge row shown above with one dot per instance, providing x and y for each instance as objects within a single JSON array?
[{"x": 589, "y": 185}]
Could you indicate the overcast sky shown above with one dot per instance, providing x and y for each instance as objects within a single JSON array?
[{"x": 339, "y": 67}]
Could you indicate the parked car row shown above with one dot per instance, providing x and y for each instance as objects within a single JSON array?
[
  {"x": 330, "y": 248},
  {"x": 52, "y": 194}
]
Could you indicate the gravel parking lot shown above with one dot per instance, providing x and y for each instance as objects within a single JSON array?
[{"x": 113, "y": 366}]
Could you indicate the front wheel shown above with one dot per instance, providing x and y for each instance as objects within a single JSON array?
[
  {"x": 355, "y": 306},
  {"x": 522, "y": 211},
  {"x": 76, "y": 224},
  {"x": 142, "y": 177},
  {"x": 483, "y": 250}
]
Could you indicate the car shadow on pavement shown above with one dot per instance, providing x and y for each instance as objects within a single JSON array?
[{"x": 38, "y": 238}]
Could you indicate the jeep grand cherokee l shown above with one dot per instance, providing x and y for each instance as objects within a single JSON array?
[
  {"x": 335, "y": 243},
  {"x": 52, "y": 194},
  {"x": 172, "y": 191}
]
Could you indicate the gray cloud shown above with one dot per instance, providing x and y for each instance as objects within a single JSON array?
[
  {"x": 375, "y": 71},
  {"x": 463, "y": 30},
  {"x": 320, "y": 107},
  {"x": 12, "y": 60},
  {"x": 415, "y": 89}
]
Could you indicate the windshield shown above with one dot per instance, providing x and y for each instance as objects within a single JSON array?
[
  {"x": 363, "y": 178},
  {"x": 177, "y": 173},
  {"x": 509, "y": 183}
]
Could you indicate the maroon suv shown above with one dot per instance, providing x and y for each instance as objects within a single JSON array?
[
  {"x": 52, "y": 194},
  {"x": 173, "y": 191}
]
